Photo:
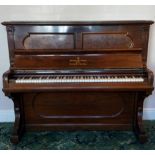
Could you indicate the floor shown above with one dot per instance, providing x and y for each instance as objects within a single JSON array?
[{"x": 81, "y": 140}]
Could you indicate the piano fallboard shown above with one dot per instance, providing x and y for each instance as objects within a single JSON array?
[{"x": 78, "y": 61}]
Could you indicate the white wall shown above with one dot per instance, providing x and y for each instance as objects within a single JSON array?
[{"x": 50, "y": 13}]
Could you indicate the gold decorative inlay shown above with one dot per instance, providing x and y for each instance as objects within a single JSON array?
[{"x": 77, "y": 62}]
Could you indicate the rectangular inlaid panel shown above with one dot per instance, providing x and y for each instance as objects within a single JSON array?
[
  {"x": 79, "y": 107},
  {"x": 91, "y": 61},
  {"x": 47, "y": 41},
  {"x": 105, "y": 40}
]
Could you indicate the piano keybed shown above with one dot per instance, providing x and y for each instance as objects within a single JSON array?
[{"x": 77, "y": 79}]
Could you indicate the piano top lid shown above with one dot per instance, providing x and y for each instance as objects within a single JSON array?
[{"x": 121, "y": 22}]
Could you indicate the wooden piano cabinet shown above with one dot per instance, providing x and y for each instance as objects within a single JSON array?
[
  {"x": 44, "y": 111},
  {"x": 112, "y": 49}
]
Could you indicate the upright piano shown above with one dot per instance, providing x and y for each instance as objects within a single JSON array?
[{"x": 78, "y": 75}]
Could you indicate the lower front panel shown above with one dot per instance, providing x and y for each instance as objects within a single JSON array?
[{"x": 78, "y": 110}]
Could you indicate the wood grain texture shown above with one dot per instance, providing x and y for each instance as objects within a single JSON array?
[
  {"x": 48, "y": 41},
  {"x": 109, "y": 40}
]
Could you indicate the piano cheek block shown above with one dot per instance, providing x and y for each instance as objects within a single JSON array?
[{"x": 66, "y": 76}]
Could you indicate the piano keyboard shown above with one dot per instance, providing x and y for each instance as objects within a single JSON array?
[{"x": 77, "y": 79}]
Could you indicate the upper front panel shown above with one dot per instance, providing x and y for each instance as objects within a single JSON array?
[
  {"x": 78, "y": 37},
  {"x": 29, "y": 41}
]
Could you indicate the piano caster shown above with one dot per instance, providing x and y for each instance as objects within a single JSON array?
[
  {"x": 141, "y": 136},
  {"x": 14, "y": 139},
  {"x": 16, "y": 135}
]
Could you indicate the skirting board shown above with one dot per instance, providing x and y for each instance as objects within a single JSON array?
[{"x": 8, "y": 115}]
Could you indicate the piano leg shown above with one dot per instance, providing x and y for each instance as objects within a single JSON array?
[
  {"x": 19, "y": 120},
  {"x": 138, "y": 124}
]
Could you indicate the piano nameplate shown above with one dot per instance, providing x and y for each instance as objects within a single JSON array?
[{"x": 77, "y": 62}]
